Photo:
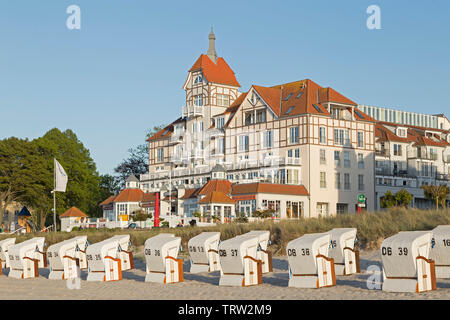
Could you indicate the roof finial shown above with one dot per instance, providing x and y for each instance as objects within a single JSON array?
[{"x": 212, "y": 46}]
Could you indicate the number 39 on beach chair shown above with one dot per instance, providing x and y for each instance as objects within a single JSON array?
[
  {"x": 440, "y": 251},
  {"x": 406, "y": 263},
  {"x": 4, "y": 257},
  {"x": 238, "y": 260},
  {"x": 161, "y": 254},
  {"x": 342, "y": 250},
  {"x": 309, "y": 263},
  {"x": 26, "y": 258},
  {"x": 103, "y": 261},
  {"x": 204, "y": 252},
  {"x": 62, "y": 258}
]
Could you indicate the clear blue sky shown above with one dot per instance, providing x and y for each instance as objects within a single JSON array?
[{"x": 123, "y": 72}]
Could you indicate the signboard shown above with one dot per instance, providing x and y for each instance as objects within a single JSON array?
[{"x": 361, "y": 198}]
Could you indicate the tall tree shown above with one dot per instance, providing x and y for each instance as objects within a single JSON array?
[{"x": 438, "y": 194}]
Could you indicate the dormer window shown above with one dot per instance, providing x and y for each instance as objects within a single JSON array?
[
  {"x": 198, "y": 79},
  {"x": 402, "y": 132}
]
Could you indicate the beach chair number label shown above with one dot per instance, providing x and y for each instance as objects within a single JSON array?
[
  {"x": 332, "y": 244},
  {"x": 11, "y": 257},
  {"x": 97, "y": 257},
  {"x": 446, "y": 242},
  {"x": 195, "y": 249},
  {"x": 148, "y": 252},
  {"x": 222, "y": 253},
  {"x": 291, "y": 253},
  {"x": 49, "y": 254},
  {"x": 388, "y": 251}
]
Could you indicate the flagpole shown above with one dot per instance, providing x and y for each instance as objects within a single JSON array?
[{"x": 54, "y": 195}]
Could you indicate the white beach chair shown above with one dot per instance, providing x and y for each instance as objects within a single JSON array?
[
  {"x": 103, "y": 259},
  {"x": 204, "y": 252},
  {"x": 309, "y": 263},
  {"x": 63, "y": 260},
  {"x": 239, "y": 263},
  {"x": 4, "y": 257},
  {"x": 126, "y": 256},
  {"x": 440, "y": 251},
  {"x": 161, "y": 254},
  {"x": 26, "y": 258},
  {"x": 407, "y": 266},
  {"x": 342, "y": 250},
  {"x": 262, "y": 253}
]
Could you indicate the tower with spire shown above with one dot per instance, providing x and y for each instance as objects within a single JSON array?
[{"x": 212, "y": 46}]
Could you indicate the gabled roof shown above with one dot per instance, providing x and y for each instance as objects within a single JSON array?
[
  {"x": 190, "y": 193},
  {"x": 149, "y": 197},
  {"x": 330, "y": 95},
  {"x": 24, "y": 212},
  {"x": 217, "y": 197},
  {"x": 260, "y": 187},
  {"x": 166, "y": 132},
  {"x": 216, "y": 73},
  {"x": 74, "y": 212},
  {"x": 223, "y": 186},
  {"x": 234, "y": 107},
  {"x": 108, "y": 201},
  {"x": 129, "y": 195}
]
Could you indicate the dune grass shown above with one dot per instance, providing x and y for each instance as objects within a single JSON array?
[{"x": 372, "y": 228}]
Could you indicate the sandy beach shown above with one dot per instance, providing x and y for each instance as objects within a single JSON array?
[{"x": 205, "y": 286}]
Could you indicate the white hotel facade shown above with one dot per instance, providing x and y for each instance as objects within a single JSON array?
[{"x": 298, "y": 148}]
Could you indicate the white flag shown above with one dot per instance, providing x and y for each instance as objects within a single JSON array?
[{"x": 60, "y": 178}]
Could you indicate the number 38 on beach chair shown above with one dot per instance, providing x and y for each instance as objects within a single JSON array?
[
  {"x": 26, "y": 258},
  {"x": 161, "y": 254},
  {"x": 103, "y": 259},
  {"x": 239, "y": 263},
  {"x": 4, "y": 257},
  {"x": 204, "y": 252},
  {"x": 440, "y": 251},
  {"x": 63, "y": 260},
  {"x": 262, "y": 253},
  {"x": 406, "y": 263},
  {"x": 309, "y": 263},
  {"x": 342, "y": 250}
]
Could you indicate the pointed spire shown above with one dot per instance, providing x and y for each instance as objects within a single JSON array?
[{"x": 212, "y": 47}]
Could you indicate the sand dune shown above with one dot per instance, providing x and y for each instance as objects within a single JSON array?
[{"x": 205, "y": 286}]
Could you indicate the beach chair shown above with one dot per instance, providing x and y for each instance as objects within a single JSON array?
[
  {"x": 239, "y": 263},
  {"x": 103, "y": 259},
  {"x": 4, "y": 257},
  {"x": 407, "y": 266},
  {"x": 309, "y": 263},
  {"x": 262, "y": 253},
  {"x": 80, "y": 254},
  {"x": 161, "y": 254},
  {"x": 126, "y": 256},
  {"x": 342, "y": 250},
  {"x": 204, "y": 252},
  {"x": 63, "y": 260},
  {"x": 440, "y": 251},
  {"x": 26, "y": 258}
]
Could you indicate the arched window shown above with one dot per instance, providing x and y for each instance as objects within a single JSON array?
[{"x": 198, "y": 79}]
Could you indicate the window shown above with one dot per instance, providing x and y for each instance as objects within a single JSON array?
[
  {"x": 341, "y": 208},
  {"x": 198, "y": 79},
  {"x": 294, "y": 209},
  {"x": 221, "y": 146},
  {"x": 249, "y": 118},
  {"x": 323, "y": 159},
  {"x": 160, "y": 155},
  {"x": 322, "y": 135},
  {"x": 317, "y": 108},
  {"x": 360, "y": 182},
  {"x": 397, "y": 149},
  {"x": 360, "y": 161},
  {"x": 198, "y": 100},
  {"x": 293, "y": 135},
  {"x": 341, "y": 137},
  {"x": 223, "y": 100},
  {"x": 322, "y": 209},
  {"x": 289, "y": 110},
  {"x": 267, "y": 139},
  {"x": 299, "y": 95},
  {"x": 337, "y": 158},
  {"x": 260, "y": 116},
  {"x": 123, "y": 208},
  {"x": 287, "y": 98},
  {"x": 220, "y": 122},
  {"x": 337, "y": 181},
  {"x": 401, "y": 132},
  {"x": 346, "y": 159},
  {"x": 360, "y": 139},
  {"x": 243, "y": 143},
  {"x": 347, "y": 181},
  {"x": 323, "y": 179},
  {"x": 297, "y": 153}
]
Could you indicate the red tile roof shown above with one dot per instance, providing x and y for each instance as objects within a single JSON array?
[
  {"x": 149, "y": 197},
  {"x": 166, "y": 132},
  {"x": 129, "y": 195},
  {"x": 260, "y": 187},
  {"x": 107, "y": 201},
  {"x": 190, "y": 193},
  {"x": 217, "y": 197},
  {"x": 223, "y": 186},
  {"x": 74, "y": 212},
  {"x": 216, "y": 73}
]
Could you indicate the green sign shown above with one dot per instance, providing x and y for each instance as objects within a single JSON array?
[{"x": 361, "y": 198}]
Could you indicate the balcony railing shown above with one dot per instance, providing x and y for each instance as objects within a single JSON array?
[
  {"x": 443, "y": 177},
  {"x": 422, "y": 156},
  {"x": 192, "y": 111},
  {"x": 384, "y": 171},
  {"x": 175, "y": 138},
  {"x": 382, "y": 152}
]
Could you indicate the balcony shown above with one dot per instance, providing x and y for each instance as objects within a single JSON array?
[
  {"x": 197, "y": 154},
  {"x": 382, "y": 152},
  {"x": 422, "y": 156},
  {"x": 176, "y": 138},
  {"x": 442, "y": 177},
  {"x": 385, "y": 171},
  {"x": 193, "y": 111},
  {"x": 446, "y": 158}
]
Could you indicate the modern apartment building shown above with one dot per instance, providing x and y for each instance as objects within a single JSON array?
[{"x": 291, "y": 134}]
